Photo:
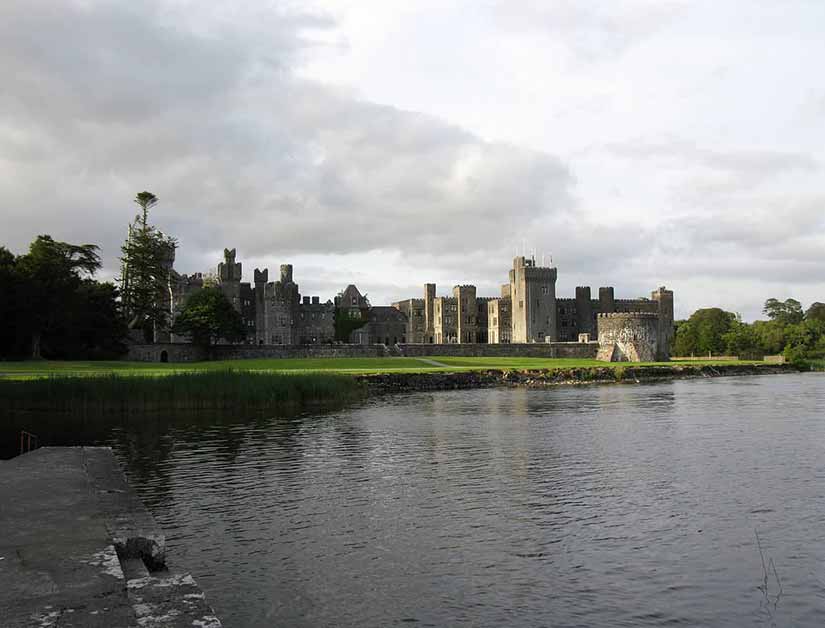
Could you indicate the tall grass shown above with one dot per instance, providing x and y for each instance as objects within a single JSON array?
[{"x": 206, "y": 390}]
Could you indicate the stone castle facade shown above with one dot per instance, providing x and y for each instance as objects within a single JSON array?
[{"x": 526, "y": 311}]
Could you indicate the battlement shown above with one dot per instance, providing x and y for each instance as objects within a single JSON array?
[
  {"x": 629, "y": 315},
  {"x": 540, "y": 272},
  {"x": 261, "y": 276}
]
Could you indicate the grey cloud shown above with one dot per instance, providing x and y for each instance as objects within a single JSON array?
[{"x": 239, "y": 151}]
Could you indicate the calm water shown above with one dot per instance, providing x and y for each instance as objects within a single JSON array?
[{"x": 589, "y": 506}]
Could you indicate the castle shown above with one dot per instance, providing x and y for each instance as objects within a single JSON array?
[{"x": 527, "y": 311}]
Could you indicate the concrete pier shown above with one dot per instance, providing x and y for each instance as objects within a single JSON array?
[{"x": 78, "y": 548}]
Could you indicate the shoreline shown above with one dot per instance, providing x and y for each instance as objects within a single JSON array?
[
  {"x": 387, "y": 383},
  {"x": 234, "y": 390}
]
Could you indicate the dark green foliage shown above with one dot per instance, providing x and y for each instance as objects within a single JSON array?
[
  {"x": 799, "y": 336},
  {"x": 787, "y": 312},
  {"x": 11, "y": 316},
  {"x": 344, "y": 325},
  {"x": 146, "y": 264},
  {"x": 703, "y": 332},
  {"x": 741, "y": 340},
  {"x": 816, "y": 312},
  {"x": 207, "y": 317},
  {"x": 48, "y": 308},
  {"x": 183, "y": 391}
]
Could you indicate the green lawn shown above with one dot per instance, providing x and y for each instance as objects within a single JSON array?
[{"x": 34, "y": 369}]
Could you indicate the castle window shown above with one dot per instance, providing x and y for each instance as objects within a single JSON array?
[
  {"x": 354, "y": 301},
  {"x": 521, "y": 305},
  {"x": 545, "y": 290}
]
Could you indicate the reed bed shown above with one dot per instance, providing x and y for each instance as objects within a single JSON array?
[{"x": 206, "y": 390}]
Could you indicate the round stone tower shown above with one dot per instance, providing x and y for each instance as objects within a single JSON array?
[{"x": 628, "y": 337}]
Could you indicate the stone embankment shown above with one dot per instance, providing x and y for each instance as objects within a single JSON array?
[
  {"x": 410, "y": 382},
  {"x": 78, "y": 548}
]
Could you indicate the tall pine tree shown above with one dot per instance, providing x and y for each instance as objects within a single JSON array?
[{"x": 146, "y": 267}]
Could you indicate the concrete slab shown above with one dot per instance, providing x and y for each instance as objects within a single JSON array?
[{"x": 69, "y": 523}]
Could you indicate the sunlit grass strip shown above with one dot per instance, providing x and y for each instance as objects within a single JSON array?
[
  {"x": 218, "y": 390},
  {"x": 350, "y": 366}
]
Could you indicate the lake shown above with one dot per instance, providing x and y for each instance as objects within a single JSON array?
[{"x": 618, "y": 505}]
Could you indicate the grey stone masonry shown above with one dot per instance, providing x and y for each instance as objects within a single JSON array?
[
  {"x": 629, "y": 337},
  {"x": 78, "y": 548}
]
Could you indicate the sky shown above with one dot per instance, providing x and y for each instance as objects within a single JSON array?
[{"x": 384, "y": 143}]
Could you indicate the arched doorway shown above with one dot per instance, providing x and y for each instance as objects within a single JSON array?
[{"x": 164, "y": 356}]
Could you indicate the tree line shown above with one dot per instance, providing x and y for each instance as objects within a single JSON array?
[
  {"x": 52, "y": 306},
  {"x": 789, "y": 329}
]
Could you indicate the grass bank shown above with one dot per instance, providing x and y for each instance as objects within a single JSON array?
[
  {"x": 204, "y": 390},
  {"x": 355, "y": 366}
]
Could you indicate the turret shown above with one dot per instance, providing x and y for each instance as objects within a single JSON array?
[
  {"x": 607, "y": 302},
  {"x": 664, "y": 299},
  {"x": 584, "y": 310},
  {"x": 429, "y": 321}
]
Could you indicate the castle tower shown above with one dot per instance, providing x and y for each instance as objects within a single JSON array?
[
  {"x": 584, "y": 311},
  {"x": 429, "y": 321},
  {"x": 229, "y": 278},
  {"x": 607, "y": 302},
  {"x": 664, "y": 299},
  {"x": 533, "y": 298},
  {"x": 261, "y": 279},
  {"x": 467, "y": 313},
  {"x": 282, "y": 300}
]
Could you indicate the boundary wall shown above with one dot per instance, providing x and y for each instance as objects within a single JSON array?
[
  {"x": 184, "y": 352},
  {"x": 580, "y": 350}
]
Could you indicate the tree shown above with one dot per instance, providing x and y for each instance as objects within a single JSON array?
[
  {"x": 207, "y": 317},
  {"x": 10, "y": 315},
  {"x": 787, "y": 312},
  {"x": 146, "y": 266},
  {"x": 703, "y": 332},
  {"x": 816, "y": 312},
  {"x": 50, "y": 274},
  {"x": 741, "y": 340},
  {"x": 93, "y": 327}
]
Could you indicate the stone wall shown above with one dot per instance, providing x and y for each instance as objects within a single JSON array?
[
  {"x": 241, "y": 352},
  {"x": 191, "y": 353},
  {"x": 579, "y": 350},
  {"x": 629, "y": 337},
  {"x": 166, "y": 352}
]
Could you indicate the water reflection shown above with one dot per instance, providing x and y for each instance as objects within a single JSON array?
[{"x": 586, "y": 506}]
